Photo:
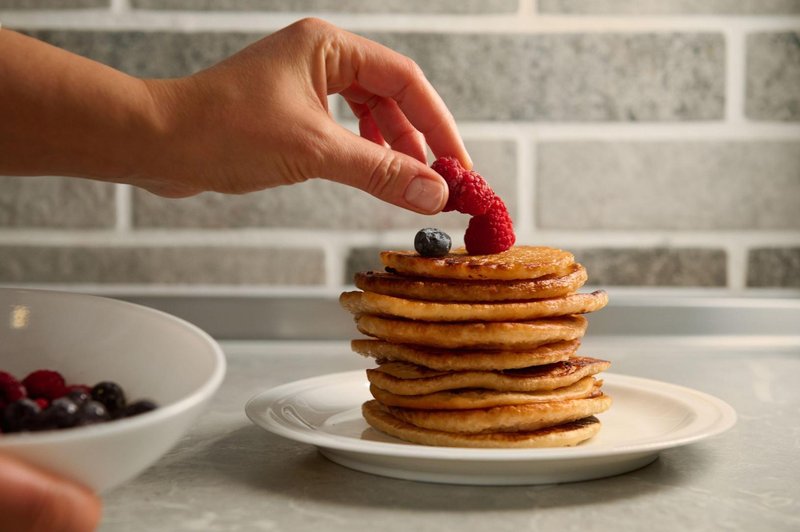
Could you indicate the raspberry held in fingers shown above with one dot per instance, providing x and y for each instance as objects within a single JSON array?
[
  {"x": 474, "y": 195},
  {"x": 451, "y": 170}
]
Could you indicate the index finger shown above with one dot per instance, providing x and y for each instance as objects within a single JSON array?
[{"x": 387, "y": 73}]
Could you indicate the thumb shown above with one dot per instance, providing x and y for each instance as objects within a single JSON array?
[
  {"x": 32, "y": 500},
  {"x": 389, "y": 175}
]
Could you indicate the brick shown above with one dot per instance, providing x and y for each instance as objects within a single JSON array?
[
  {"x": 338, "y": 6},
  {"x": 675, "y": 267},
  {"x": 773, "y": 76},
  {"x": 572, "y": 77},
  {"x": 319, "y": 204},
  {"x": 53, "y": 4},
  {"x": 361, "y": 260},
  {"x": 150, "y": 54},
  {"x": 668, "y": 185},
  {"x": 56, "y": 202},
  {"x": 175, "y": 265},
  {"x": 773, "y": 268},
  {"x": 550, "y": 77},
  {"x": 668, "y": 7}
]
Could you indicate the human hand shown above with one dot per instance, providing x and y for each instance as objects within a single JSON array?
[
  {"x": 260, "y": 119},
  {"x": 35, "y": 501}
]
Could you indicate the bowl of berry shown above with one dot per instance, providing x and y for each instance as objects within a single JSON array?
[{"x": 96, "y": 389}]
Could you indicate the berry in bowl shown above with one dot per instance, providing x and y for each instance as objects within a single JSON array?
[
  {"x": 96, "y": 389},
  {"x": 44, "y": 401}
]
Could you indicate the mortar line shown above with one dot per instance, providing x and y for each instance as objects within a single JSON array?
[
  {"x": 527, "y": 8},
  {"x": 120, "y": 6},
  {"x": 123, "y": 201},
  {"x": 334, "y": 264},
  {"x": 526, "y": 186},
  {"x": 734, "y": 76},
  {"x": 737, "y": 266}
]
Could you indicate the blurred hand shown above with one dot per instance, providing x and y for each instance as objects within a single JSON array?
[
  {"x": 34, "y": 501},
  {"x": 260, "y": 119}
]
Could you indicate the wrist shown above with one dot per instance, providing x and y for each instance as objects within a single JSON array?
[{"x": 163, "y": 164}]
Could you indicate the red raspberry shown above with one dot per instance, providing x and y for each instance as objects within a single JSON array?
[
  {"x": 474, "y": 196},
  {"x": 10, "y": 388},
  {"x": 492, "y": 232},
  {"x": 42, "y": 402},
  {"x": 45, "y": 383},
  {"x": 451, "y": 170}
]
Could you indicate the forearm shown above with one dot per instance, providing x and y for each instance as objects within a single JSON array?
[{"x": 62, "y": 114}]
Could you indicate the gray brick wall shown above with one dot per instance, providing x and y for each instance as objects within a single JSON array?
[
  {"x": 668, "y": 185},
  {"x": 637, "y": 77},
  {"x": 171, "y": 265},
  {"x": 774, "y": 268},
  {"x": 662, "y": 148},
  {"x": 57, "y": 202},
  {"x": 773, "y": 76}
]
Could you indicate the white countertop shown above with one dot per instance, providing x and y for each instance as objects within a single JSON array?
[{"x": 229, "y": 475}]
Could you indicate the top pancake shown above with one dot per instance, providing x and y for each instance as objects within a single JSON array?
[
  {"x": 428, "y": 289},
  {"x": 519, "y": 262}
]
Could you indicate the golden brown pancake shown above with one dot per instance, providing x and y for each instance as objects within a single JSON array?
[
  {"x": 468, "y": 398},
  {"x": 463, "y": 359},
  {"x": 381, "y": 305},
  {"x": 563, "y": 435},
  {"x": 430, "y": 289},
  {"x": 474, "y": 335},
  {"x": 519, "y": 262},
  {"x": 402, "y": 378},
  {"x": 512, "y": 418}
]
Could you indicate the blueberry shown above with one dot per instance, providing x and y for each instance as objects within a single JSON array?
[
  {"x": 139, "y": 407},
  {"x": 110, "y": 394},
  {"x": 431, "y": 242},
  {"x": 92, "y": 412},
  {"x": 61, "y": 414},
  {"x": 79, "y": 397},
  {"x": 20, "y": 415}
]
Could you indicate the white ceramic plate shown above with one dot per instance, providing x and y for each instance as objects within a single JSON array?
[{"x": 647, "y": 416}]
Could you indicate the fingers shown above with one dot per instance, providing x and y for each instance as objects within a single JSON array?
[
  {"x": 385, "y": 113},
  {"x": 386, "y": 174},
  {"x": 33, "y": 501},
  {"x": 388, "y": 74},
  {"x": 366, "y": 123}
]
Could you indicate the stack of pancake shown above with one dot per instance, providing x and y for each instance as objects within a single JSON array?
[{"x": 479, "y": 350}]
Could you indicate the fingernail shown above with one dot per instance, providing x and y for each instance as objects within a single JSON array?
[{"x": 425, "y": 194}]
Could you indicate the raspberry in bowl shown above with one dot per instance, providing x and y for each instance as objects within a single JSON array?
[{"x": 62, "y": 343}]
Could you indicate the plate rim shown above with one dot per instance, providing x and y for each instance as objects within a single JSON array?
[{"x": 726, "y": 419}]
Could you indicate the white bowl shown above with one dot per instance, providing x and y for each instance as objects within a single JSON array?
[{"x": 90, "y": 339}]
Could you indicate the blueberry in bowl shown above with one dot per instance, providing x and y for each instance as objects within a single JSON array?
[{"x": 121, "y": 383}]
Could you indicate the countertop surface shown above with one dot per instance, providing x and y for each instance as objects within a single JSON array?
[{"x": 228, "y": 475}]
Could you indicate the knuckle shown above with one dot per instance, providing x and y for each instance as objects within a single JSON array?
[
  {"x": 414, "y": 70},
  {"x": 310, "y": 25},
  {"x": 385, "y": 174}
]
